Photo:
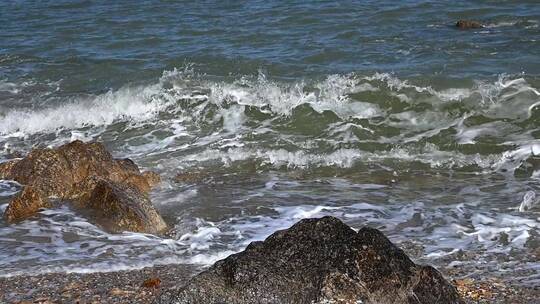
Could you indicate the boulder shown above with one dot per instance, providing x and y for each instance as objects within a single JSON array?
[
  {"x": 318, "y": 261},
  {"x": 121, "y": 207},
  {"x": 72, "y": 172},
  {"x": 26, "y": 203},
  {"x": 468, "y": 24},
  {"x": 60, "y": 172}
]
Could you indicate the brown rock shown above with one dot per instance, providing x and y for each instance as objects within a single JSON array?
[
  {"x": 72, "y": 171},
  {"x": 151, "y": 283},
  {"x": 469, "y": 24},
  {"x": 128, "y": 165},
  {"x": 44, "y": 169},
  {"x": 138, "y": 181},
  {"x": 123, "y": 207},
  {"x": 25, "y": 204},
  {"x": 60, "y": 172}
]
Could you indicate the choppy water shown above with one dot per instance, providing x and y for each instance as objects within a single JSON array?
[{"x": 379, "y": 113}]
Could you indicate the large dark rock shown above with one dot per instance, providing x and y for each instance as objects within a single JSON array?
[
  {"x": 318, "y": 261},
  {"x": 72, "y": 172}
]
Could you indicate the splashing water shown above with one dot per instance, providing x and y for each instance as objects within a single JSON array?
[
  {"x": 377, "y": 112},
  {"x": 367, "y": 149}
]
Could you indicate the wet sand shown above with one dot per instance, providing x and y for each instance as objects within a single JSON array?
[{"x": 145, "y": 285}]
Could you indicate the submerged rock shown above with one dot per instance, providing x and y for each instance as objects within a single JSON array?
[
  {"x": 72, "y": 172},
  {"x": 469, "y": 24},
  {"x": 318, "y": 261}
]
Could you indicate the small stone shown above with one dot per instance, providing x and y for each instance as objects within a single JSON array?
[{"x": 151, "y": 283}]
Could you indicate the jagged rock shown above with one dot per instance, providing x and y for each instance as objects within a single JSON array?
[
  {"x": 72, "y": 172},
  {"x": 25, "y": 204},
  {"x": 469, "y": 24},
  {"x": 123, "y": 207},
  {"x": 318, "y": 261}
]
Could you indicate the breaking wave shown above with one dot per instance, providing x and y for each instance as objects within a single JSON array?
[{"x": 336, "y": 121}]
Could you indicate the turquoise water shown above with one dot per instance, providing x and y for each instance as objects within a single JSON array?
[{"x": 379, "y": 113}]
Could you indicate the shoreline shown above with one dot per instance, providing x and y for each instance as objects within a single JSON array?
[
  {"x": 141, "y": 286},
  {"x": 98, "y": 287}
]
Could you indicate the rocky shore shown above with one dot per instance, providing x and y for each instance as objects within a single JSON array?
[
  {"x": 318, "y": 260},
  {"x": 314, "y": 261},
  {"x": 128, "y": 287}
]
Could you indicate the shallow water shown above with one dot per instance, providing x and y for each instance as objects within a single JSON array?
[{"x": 381, "y": 114}]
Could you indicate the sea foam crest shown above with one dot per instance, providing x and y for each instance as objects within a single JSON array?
[
  {"x": 334, "y": 93},
  {"x": 137, "y": 103}
]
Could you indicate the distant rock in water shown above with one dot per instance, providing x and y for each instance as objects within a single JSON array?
[
  {"x": 318, "y": 261},
  {"x": 469, "y": 24},
  {"x": 73, "y": 172}
]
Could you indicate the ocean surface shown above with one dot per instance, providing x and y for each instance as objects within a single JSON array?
[{"x": 260, "y": 113}]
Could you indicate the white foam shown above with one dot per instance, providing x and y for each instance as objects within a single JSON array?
[
  {"x": 209, "y": 259},
  {"x": 101, "y": 267},
  {"x": 501, "y": 24},
  {"x": 62, "y": 241},
  {"x": 468, "y": 135},
  {"x": 528, "y": 202},
  {"x": 128, "y": 103},
  {"x": 510, "y": 160},
  {"x": 330, "y": 94},
  {"x": 201, "y": 237}
]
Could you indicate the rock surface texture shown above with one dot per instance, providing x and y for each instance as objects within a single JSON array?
[
  {"x": 318, "y": 261},
  {"x": 79, "y": 172},
  {"x": 26, "y": 203}
]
